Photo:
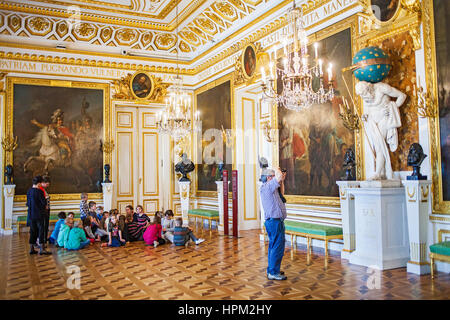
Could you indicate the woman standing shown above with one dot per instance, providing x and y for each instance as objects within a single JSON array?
[{"x": 37, "y": 205}]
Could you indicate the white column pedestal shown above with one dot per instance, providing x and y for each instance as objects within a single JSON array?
[
  {"x": 347, "y": 201},
  {"x": 220, "y": 200},
  {"x": 381, "y": 234},
  {"x": 184, "y": 198},
  {"x": 418, "y": 194},
  {"x": 8, "y": 192},
  {"x": 107, "y": 195}
]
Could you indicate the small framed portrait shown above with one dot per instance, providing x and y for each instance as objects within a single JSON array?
[
  {"x": 248, "y": 61},
  {"x": 384, "y": 10},
  {"x": 141, "y": 85}
]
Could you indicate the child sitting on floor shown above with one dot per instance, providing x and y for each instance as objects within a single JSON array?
[
  {"x": 105, "y": 220},
  {"x": 54, "y": 237},
  {"x": 168, "y": 223},
  {"x": 71, "y": 215},
  {"x": 77, "y": 238},
  {"x": 88, "y": 230},
  {"x": 115, "y": 235},
  {"x": 99, "y": 211},
  {"x": 182, "y": 235},
  {"x": 84, "y": 208},
  {"x": 152, "y": 234},
  {"x": 63, "y": 234}
]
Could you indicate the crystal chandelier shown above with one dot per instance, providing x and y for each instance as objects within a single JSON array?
[
  {"x": 298, "y": 78},
  {"x": 175, "y": 119}
]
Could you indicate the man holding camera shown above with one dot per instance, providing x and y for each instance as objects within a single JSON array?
[{"x": 272, "y": 199}]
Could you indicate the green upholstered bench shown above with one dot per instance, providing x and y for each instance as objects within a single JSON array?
[
  {"x": 204, "y": 214},
  {"x": 311, "y": 231},
  {"x": 22, "y": 220},
  {"x": 439, "y": 251}
]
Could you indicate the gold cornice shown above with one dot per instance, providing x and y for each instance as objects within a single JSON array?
[
  {"x": 256, "y": 36},
  {"x": 54, "y": 12}
]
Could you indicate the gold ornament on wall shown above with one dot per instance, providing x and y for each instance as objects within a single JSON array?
[
  {"x": 247, "y": 64},
  {"x": 107, "y": 146},
  {"x": 9, "y": 143},
  {"x": 140, "y": 86}
]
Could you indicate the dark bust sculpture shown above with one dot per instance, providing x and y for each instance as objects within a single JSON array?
[
  {"x": 219, "y": 172},
  {"x": 184, "y": 167},
  {"x": 415, "y": 159},
  {"x": 263, "y": 164},
  {"x": 107, "y": 168},
  {"x": 349, "y": 164},
  {"x": 8, "y": 173}
]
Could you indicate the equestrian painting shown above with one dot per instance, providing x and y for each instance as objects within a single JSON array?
[{"x": 60, "y": 131}]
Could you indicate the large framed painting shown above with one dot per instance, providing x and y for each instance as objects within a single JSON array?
[
  {"x": 437, "y": 58},
  {"x": 214, "y": 102},
  {"x": 59, "y": 126},
  {"x": 312, "y": 143}
]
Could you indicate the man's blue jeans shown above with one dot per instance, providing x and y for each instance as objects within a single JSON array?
[{"x": 275, "y": 231}]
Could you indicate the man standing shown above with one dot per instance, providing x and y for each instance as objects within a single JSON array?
[
  {"x": 274, "y": 214},
  {"x": 36, "y": 204},
  {"x": 44, "y": 185}
]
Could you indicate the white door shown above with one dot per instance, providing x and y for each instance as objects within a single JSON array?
[{"x": 137, "y": 162}]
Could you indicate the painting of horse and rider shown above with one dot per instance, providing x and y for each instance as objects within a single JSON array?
[{"x": 59, "y": 130}]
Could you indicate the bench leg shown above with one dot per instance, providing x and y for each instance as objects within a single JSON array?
[
  {"x": 295, "y": 242},
  {"x": 308, "y": 252},
  {"x": 210, "y": 230},
  {"x": 432, "y": 267},
  {"x": 292, "y": 247},
  {"x": 326, "y": 253}
]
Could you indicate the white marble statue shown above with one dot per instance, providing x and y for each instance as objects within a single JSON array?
[{"x": 381, "y": 120}]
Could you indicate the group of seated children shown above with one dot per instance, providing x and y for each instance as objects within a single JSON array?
[{"x": 116, "y": 229}]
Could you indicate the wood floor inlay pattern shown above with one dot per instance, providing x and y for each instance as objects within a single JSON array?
[{"x": 220, "y": 268}]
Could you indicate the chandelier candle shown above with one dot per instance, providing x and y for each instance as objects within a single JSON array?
[{"x": 296, "y": 74}]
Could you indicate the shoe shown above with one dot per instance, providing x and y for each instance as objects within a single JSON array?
[
  {"x": 32, "y": 251},
  {"x": 281, "y": 272},
  {"x": 42, "y": 250},
  {"x": 155, "y": 243},
  {"x": 199, "y": 241},
  {"x": 276, "y": 277}
]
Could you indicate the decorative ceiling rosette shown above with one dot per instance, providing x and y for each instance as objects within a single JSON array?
[
  {"x": 126, "y": 36},
  {"x": 165, "y": 41},
  {"x": 84, "y": 31}
]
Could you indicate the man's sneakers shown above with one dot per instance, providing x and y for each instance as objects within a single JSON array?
[
  {"x": 199, "y": 241},
  {"x": 155, "y": 243},
  {"x": 276, "y": 276}
]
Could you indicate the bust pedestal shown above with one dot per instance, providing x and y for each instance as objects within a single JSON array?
[
  {"x": 8, "y": 192},
  {"x": 220, "y": 200},
  {"x": 107, "y": 195},
  {"x": 381, "y": 234},
  {"x": 184, "y": 198},
  {"x": 347, "y": 201},
  {"x": 417, "y": 204}
]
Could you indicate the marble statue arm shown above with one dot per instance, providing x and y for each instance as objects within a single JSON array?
[{"x": 394, "y": 93}]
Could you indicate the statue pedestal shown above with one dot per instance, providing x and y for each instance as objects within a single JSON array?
[
  {"x": 220, "y": 200},
  {"x": 107, "y": 195},
  {"x": 347, "y": 201},
  {"x": 381, "y": 234},
  {"x": 184, "y": 198},
  {"x": 8, "y": 192},
  {"x": 418, "y": 204}
]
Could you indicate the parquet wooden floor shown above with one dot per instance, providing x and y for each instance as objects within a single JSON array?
[{"x": 219, "y": 268}]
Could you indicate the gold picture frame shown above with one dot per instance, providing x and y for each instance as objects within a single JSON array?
[
  {"x": 210, "y": 85},
  {"x": 394, "y": 15},
  {"x": 9, "y": 117},
  {"x": 148, "y": 81},
  {"x": 439, "y": 206},
  {"x": 352, "y": 24},
  {"x": 246, "y": 63}
]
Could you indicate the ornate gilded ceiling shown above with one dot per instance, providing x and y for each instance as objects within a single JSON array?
[{"x": 148, "y": 25}]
